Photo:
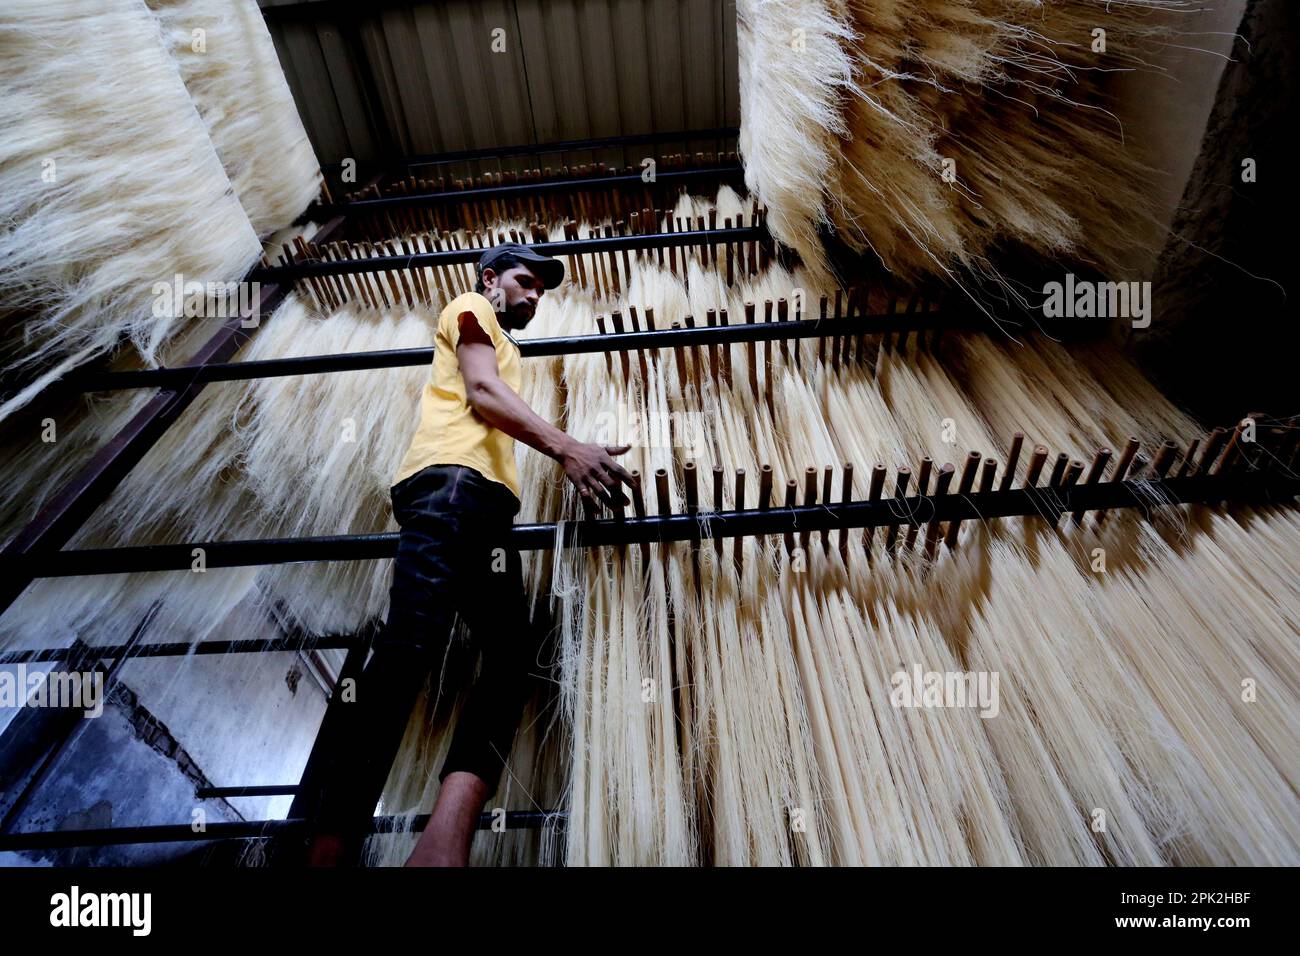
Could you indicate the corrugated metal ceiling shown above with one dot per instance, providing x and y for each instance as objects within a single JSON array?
[{"x": 384, "y": 79}]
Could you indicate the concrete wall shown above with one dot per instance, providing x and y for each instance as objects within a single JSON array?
[
  {"x": 1224, "y": 333},
  {"x": 173, "y": 725},
  {"x": 1165, "y": 109}
]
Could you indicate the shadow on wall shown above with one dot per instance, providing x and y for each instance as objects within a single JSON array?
[{"x": 1224, "y": 337}]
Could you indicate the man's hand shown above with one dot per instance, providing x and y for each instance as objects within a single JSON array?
[
  {"x": 595, "y": 473},
  {"x": 590, "y": 467}
]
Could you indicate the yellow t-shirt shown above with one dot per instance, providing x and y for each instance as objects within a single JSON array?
[{"x": 450, "y": 431}]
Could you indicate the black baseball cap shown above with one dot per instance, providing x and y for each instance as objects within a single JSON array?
[{"x": 551, "y": 271}]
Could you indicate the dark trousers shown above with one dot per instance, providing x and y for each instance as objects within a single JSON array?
[{"x": 453, "y": 556}]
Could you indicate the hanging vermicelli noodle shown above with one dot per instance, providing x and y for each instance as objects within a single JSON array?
[
  {"x": 704, "y": 712},
  {"x": 231, "y": 71},
  {"x": 794, "y": 69},
  {"x": 1078, "y": 732},
  {"x": 931, "y": 135},
  {"x": 109, "y": 187}
]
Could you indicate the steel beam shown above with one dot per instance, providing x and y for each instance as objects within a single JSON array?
[
  {"x": 738, "y": 333},
  {"x": 427, "y": 260},
  {"x": 240, "y": 830},
  {"x": 1047, "y": 502},
  {"x": 72, "y": 504}
]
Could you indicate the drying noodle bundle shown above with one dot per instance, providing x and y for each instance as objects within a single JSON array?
[
  {"x": 795, "y": 67},
  {"x": 1090, "y": 719},
  {"x": 231, "y": 71},
  {"x": 220, "y": 472},
  {"x": 935, "y": 135},
  {"x": 108, "y": 186},
  {"x": 704, "y": 711},
  {"x": 745, "y": 717}
]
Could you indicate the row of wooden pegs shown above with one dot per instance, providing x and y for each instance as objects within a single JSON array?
[
  {"x": 1224, "y": 451},
  {"x": 843, "y": 351},
  {"x": 381, "y": 289},
  {"x": 606, "y": 273},
  {"x": 547, "y": 206},
  {"x": 600, "y": 271}
]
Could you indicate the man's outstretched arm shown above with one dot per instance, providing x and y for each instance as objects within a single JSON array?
[{"x": 589, "y": 466}]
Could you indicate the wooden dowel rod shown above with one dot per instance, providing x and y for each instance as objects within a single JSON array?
[
  {"x": 835, "y": 339},
  {"x": 689, "y": 476},
  {"x": 1098, "y": 468},
  {"x": 1058, "y": 470},
  {"x": 821, "y": 341},
  {"x": 711, "y": 319},
  {"x": 827, "y": 475},
  {"x": 737, "y": 551},
  {"x": 873, "y": 494},
  {"x": 783, "y": 315},
  {"x": 600, "y": 324},
  {"x": 661, "y": 492},
  {"x": 932, "y": 529},
  {"x": 768, "y": 366},
  {"x": 717, "y": 504},
  {"x": 1233, "y": 452},
  {"x": 617, "y": 319},
  {"x": 1037, "y": 458},
  {"x": 809, "y": 498},
  {"x": 750, "y": 353},
  {"x": 922, "y": 488},
  {"x": 1013, "y": 457},
  {"x": 1164, "y": 459},
  {"x": 1126, "y": 459},
  {"x": 694, "y": 350},
  {"x": 681, "y": 363},
  {"x": 1213, "y": 445},
  {"x": 726, "y": 350},
  {"x": 791, "y": 499},
  {"x": 846, "y": 495},
  {"x": 904, "y": 475},
  {"x": 638, "y": 502},
  {"x": 963, "y": 488}
]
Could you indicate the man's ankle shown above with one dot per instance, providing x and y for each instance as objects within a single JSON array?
[
  {"x": 437, "y": 856},
  {"x": 325, "y": 850}
]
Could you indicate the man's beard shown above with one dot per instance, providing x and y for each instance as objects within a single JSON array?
[
  {"x": 512, "y": 316},
  {"x": 519, "y": 317}
]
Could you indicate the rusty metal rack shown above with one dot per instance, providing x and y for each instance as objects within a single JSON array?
[
  {"x": 718, "y": 333},
  {"x": 914, "y": 522},
  {"x": 244, "y": 830},
  {"x": 1062, "y": 494}
]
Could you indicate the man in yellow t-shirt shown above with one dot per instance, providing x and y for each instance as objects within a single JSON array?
[{"x": 455, "y": 496}]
